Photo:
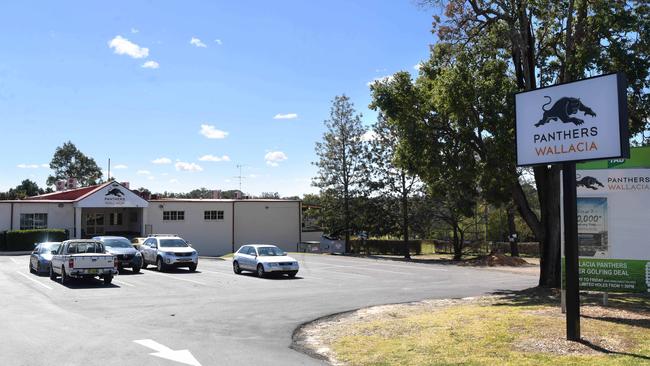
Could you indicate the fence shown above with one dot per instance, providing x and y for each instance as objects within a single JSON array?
[{"x": 417, "y": 247}]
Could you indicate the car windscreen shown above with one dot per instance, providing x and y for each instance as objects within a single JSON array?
[
  {"x": 117, "y": 243},
  {"x": 270, "y": 251},
  {"x": 86, "y": 247},
  {"x": 47, "y": 248},
  {"x": 173, "y": 243}
]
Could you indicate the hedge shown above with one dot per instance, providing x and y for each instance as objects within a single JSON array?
[{"x": 23, "y": 240}]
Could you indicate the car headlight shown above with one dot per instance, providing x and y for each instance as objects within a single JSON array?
[{"x": 165, "y": 253}]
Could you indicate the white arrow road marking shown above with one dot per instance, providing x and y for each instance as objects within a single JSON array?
[{"x": 183, "y": 356}]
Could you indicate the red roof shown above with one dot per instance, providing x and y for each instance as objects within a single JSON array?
[{"x": 69, "y": 195}]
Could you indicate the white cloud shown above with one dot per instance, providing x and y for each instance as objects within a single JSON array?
[
  {"x": 45, "y": 165},
  {"x": 418, "y": 66},
  {"x": 151, "y": 177},
  {"x": 28, "y": 166},
  {"x": 369, "y": 136},
  {"x": 211, "y": 132},
  {"x": 120, "y": 166},
  {"x": 273, "y": 158},
  {"x": 188, "y": 167},
  {"x": 123, "y": 46},
  {"x": 214, "y": 158},
  {"x": 218, "y": 41},
  {"x": 162, "y": 161},
  {"x": 173, "y": 180},
  {"x": 143, "y": 172},
  {"x": 382, "y": 79},
  {"x": 253, "y": 176},
  {"x": 197, "y": 42},
  {"x": 135, "y": 30},
  {"x": 286, "y": 116},
  {"x": 151, "y": 65}
]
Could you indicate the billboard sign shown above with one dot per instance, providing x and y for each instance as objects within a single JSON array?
[
  {"x": 577, "y": 121},
  {"x": 613, "y": 211}
]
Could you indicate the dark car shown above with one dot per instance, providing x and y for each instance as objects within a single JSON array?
[
  {"x": 121, "y": 247},
  {"x": 41, "y": 258}
]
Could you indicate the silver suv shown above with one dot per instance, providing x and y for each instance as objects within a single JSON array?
[{"x": 168, "y": 251}]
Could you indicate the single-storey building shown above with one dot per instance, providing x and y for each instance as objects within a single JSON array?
[{"x": 212, "y": 226}]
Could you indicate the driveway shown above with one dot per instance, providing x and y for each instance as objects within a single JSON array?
[{"x": 216, "y": 316}]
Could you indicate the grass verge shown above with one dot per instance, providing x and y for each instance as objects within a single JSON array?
[{"x": 519, "y": 328}]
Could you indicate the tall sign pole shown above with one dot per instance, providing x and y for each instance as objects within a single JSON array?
[
  {"x": 571, "y": 251},
  {"x": 563, "y": 124}
]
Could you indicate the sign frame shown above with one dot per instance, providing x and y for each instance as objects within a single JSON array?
[{"x": 621, "y": 90}]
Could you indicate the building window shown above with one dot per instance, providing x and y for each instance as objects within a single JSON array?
[
  {"x": 33, "y": 221},
  {"x": 213, "y": 215},
  {"x": 115, "y": 219},
  {"x": 173, "y": 215}
]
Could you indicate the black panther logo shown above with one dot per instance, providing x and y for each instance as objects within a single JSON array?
[
  {"x": 115, "y": 192},
  {"x": 563, "y": 109},
  {"x": 589, "y": 182}
]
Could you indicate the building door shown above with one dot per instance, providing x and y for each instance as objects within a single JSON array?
[{"x": 95, "y": 224}]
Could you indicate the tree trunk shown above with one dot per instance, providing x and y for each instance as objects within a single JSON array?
[
  {"x": 512, "y": 229},
  {"x": 458, "y": 252},
  {"x": 405, "y": 218},
  {"x": 548, "y": 183},
  {"x": 348, "y": 248}
]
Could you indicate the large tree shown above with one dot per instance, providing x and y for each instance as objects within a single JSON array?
[
  {"x": 389, "y": 177},
  {"x": 341, "y": 164},
  {"x": 489, "y": 49},
  {"x": 69, "y": 162}
]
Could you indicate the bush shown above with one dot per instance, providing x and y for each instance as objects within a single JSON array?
[{"x": 23, "y": 240}]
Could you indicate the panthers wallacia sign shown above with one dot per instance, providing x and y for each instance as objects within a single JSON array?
[{"x": 577, "y": 121}]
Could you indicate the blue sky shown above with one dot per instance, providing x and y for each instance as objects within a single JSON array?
[{"x": 216, "y": 75}]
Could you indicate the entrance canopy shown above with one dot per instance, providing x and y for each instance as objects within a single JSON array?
[{"x": 111, "y": 195}]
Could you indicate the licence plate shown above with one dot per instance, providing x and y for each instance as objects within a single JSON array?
[
  {"x": 184, "y": 260},
  {"x": 286, "y": 268}
]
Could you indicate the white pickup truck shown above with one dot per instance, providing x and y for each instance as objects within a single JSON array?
[{"x": 83, "y": 259}]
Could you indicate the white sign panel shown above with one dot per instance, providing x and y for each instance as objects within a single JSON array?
[
  {"x": 582, "y": 120},
  {"x": 113, "y": 195}
]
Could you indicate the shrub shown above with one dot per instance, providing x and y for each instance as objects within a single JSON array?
[{"x": 23, "y": 240}]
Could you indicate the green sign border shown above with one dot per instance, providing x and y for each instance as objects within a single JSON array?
[{"x": 639, "y": 158}]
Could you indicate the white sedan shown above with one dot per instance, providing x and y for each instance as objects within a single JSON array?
[{"x": 264, "y": 259}]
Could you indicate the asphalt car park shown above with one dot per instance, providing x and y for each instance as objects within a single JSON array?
[{"x": 208, "y": 317}]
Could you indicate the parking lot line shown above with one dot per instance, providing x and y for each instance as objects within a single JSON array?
[
  {"x": 123, "y": 283},
  {"x": 177, "y": 278},
  {"x": 14, "y": 260},
  {"x": 33, "y": 280}
]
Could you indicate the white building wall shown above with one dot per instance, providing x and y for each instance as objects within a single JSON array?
[
  {"x": 268, "y": 222},
  {"x": 5, "y": 216},
  {"x": 211, "y": 238},
  {"x": 57, "y": 217}
]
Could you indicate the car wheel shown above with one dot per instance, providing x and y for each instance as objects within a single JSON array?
[
  {"x": 135, "y": 269},
  {"x": 192, "y": 267},
  {"x": 144, "y": 263},
  {"x": 160, "y": 266},
  {"x": 235, "y": 267},
  {"x": 64, "y": 277},
  {"x": 108, "y": 280},
  {"x": 52, "y": 273},
  {"x": 292, "y": 274},
  {"x": 31, "y": 270},
  {"x": 260, "y": 271}
]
